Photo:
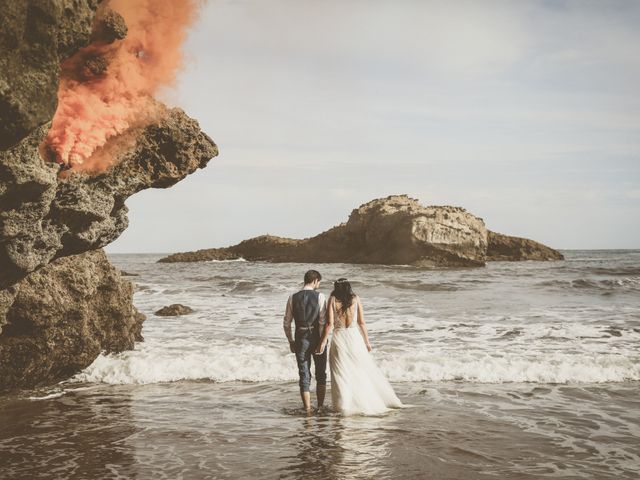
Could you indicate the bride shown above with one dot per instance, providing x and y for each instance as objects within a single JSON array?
[{"x": 357, "y": 384}]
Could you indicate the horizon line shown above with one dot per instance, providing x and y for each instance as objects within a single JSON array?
[{"x": 559, "y": 249}]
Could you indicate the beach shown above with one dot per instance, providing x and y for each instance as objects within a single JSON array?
[{"x": 517, "y": 370}]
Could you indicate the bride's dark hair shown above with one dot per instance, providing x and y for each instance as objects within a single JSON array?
[{"x": 342, "y": 291}]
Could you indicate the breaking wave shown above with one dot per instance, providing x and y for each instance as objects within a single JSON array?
[
  {"x": 264, "y": 363},
  {"x": 603, "y": 285}
]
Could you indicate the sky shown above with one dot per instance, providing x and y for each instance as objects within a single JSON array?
[{"x": 525, "y": 113}]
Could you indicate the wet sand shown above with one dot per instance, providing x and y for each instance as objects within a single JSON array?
[{"x": 206, "y": 430}]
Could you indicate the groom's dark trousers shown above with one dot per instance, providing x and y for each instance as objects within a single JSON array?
[{"x": 306, "y": 314}]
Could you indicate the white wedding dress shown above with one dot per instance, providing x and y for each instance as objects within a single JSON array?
[{"x": 357, "y": 384}]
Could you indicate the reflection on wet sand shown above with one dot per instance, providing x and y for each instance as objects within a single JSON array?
[
  {"x": 330, "y": 446},
  {"x": 317, "y": 453},
  {"x": 364, "y": 445},
  {"x": 194, "y": 430}
]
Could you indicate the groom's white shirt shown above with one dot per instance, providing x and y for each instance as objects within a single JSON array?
[{"x": 288, "y": 313}]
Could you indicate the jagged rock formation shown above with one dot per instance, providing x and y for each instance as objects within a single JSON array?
[
  {"x": 110, "y": 28},
  {"x": 61, "y": 302},
  {"x": 395, "y": 230},
  {"x": 35, "y": 37},
  {"x": 44, "y": 217},
  {"x": 56, "y": 321},
  {"x": 505, "y": 248},
  {"x": 174, "y": 310},
  {"x": 392, "y": 230}
]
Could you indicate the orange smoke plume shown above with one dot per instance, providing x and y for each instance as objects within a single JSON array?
[{"x": 108, "y": 87}]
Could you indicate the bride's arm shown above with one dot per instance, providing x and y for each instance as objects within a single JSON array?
[
  {"x": 327, "y": 328},
  {"x": 363, "y": 326}
]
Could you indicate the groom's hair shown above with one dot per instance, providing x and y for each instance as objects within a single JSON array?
[{"x": 311, "y": 276}]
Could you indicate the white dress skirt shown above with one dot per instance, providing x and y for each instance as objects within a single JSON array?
[{"x": 358, "y": 386}]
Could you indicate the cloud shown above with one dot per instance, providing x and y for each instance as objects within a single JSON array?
[{"x": 526, "y": 113}]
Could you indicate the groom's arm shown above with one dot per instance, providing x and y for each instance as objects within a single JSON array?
[
  {"x": 327, "y": 328},
  {"x": 323, "y": 309},
  {"x": 286, "y": 323}
]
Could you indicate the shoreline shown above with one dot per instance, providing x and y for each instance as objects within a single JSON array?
[{"x": 209, "y": 430}]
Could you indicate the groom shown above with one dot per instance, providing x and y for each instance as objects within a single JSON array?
[{"x": 307, "y": 308}]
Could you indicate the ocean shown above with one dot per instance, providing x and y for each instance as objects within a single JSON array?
[{"x": 519, "y": 370}]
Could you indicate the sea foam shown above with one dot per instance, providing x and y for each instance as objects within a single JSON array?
[{"x": 264, "y": 363}]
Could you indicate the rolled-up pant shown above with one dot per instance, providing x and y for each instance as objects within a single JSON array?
[{"x": 305, "y": 344}]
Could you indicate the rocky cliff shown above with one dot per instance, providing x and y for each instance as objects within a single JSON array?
[
  {"x": 36, "y": 36},
  {"x": 396, "y": 230},
  {"x": 57, "y": 320},
  {"x": 45, "y": 217},
  {"x": 61, "y": 302}
]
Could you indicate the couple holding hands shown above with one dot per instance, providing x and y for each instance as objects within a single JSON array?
[{"x": 357, "y": 384}]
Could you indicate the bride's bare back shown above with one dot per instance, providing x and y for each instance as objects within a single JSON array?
[{"x": 344, "y": 319}]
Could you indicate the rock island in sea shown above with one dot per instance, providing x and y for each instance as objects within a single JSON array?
[{"x": 396, "y": 230}]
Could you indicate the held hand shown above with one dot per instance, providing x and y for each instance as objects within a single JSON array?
[
  {"x": 292, "y": 346},
  {"x": 320, "y": 349}
]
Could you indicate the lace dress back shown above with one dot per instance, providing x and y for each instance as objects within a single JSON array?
[{"x": 340, "y": 318}]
